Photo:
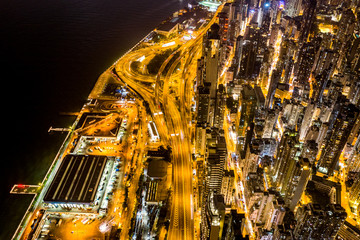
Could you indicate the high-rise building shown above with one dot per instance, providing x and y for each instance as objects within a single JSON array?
[
  {"x": 275, "y": 79},
  {"x": 224, "y": 23},
  {"x": 248, "y": 104},
  {"x": 298, "y": 181},
  {"x": 354, "y": 158},
  {"x": 348, "y": 232},
  {"x": 215, "y": 171},
  {"x": 354, "y": 93},
  {"x": 234, "y": 226},
  {"x": 286, "y": 58},
  {"x": 308, "y": 18},
  {"x": 200, "y": 73},
  {"x": 310, "y": 150},
  {"x": 353, "y": 54},
  {"x": 253, "y": 189},
  {"x": 213, "y": 217},
  {"x": 269, "y": 212},
  {"x": 354, "y": 193},
  {"x": 315, "y": 221},
  {"x": 293, "y": 8},
  {"x": 306, "y": 122},
  {"x": 291, "y": 114},
  {"x": 251, "y": 161},
  {"x": 220, "y": 107},
  {"x": 269, "y": 147},
  {"x": 226, "y": 32},
  {"x": 320, "y": 85},
  {"x": 302, "y": 67},
  {"x": 346, "y": 30},
  {"x": 286, "y": 159},
  {"x": 202, "y": 118},
  {"x": 325, "y": 59},
  {"x": 238, "y": 53},
  {"x": 342, "y": 121},
  {"x": 200, "y": 172},
  {"x": 250, "y": 65},
  {"x": 200, "y": 139},
  {"x": 203, "y": 99},
  {"x": 325, "y": 187},
  {"x": 215, "y": 162},
  {"x": 211, "y": 46},
  {"x": 270, "y": 122},
  {"x": 228, "y": 186}
]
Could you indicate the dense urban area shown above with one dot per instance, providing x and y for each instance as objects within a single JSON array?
[{"x": 230, "y": 120}]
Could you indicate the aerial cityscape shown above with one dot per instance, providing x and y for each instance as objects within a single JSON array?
[{"x": 230, "y": 120}]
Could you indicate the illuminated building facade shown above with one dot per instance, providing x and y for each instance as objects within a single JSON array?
[
  {"x": 319, "y": 222},
  {"x": 344, "y": 116}
]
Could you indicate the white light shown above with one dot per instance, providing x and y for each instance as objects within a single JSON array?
[
  {"x": 192, "y": 207},
  {"x": 104, "y": 227},
  {"x": 141, "y": 59},
  {"x": 169, "y": 44},
  {"x": 186, "y": 38}
]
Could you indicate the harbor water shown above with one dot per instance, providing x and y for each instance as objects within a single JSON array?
[{"x": 52, "y": 53}]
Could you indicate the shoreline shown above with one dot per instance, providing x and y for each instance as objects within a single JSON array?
[{"x": 57, "y": 160}]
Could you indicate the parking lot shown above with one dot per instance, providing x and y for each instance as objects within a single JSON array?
[
  {"x": 98, "y": 146},
  {"x": 71, "y": 226}
]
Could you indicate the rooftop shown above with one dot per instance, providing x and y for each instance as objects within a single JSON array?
[{"x": 77, "y": 179}]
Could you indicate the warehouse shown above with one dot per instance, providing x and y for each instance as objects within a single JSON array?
[{"x": 77, "y": 180}]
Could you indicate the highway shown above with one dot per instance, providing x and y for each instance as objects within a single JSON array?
[
  {"x": 173, "y": 123},
  {"x": 177, "y": 116},
  {"x": 169, "y": 95},
  {"x": 182, "y": 224}
]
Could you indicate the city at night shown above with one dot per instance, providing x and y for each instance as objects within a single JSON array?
[{"x": 181, "y": 119}]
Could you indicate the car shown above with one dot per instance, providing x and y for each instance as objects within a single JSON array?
[
  {"x": 91, "y": 221},
  {"x": 85, "y": 220}
]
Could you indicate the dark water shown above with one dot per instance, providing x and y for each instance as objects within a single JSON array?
[{"x": 51, "y": 53}]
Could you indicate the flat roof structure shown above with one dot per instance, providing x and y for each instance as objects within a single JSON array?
[
  {"x": 99, "y": 125},
  {"x": 24, "y": 189},
  {"x": 77, "y": 179},
  {"x": 157, "y": 168},
  {"x": 153, "y": 131}
]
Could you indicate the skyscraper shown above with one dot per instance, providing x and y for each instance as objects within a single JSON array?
[
  {"x": 343, "y": 118},
  {"x": 354, "y": 193},
  {"x": 319, "y": 222},
  {"x": 286, "y": 156},
  {"x": 308, "y": 18},
  {"x": 303, "y": 67},
  {"x": 215, "y": 163},
  {"x": 213, "y": 217},
  {"x": 293, "y": 8}
]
